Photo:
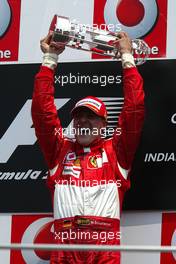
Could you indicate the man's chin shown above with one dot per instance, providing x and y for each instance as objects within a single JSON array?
[{"x": 84, "y": 140}]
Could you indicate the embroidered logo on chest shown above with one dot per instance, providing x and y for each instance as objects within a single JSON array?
[
  {"x": 72, "y": 166},
  {"x": 94, "y": 162},
  {"x": 69, "y": 158},
  {"x": 97, "y": 161}
]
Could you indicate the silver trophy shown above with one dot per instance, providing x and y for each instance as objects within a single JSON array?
[{"x": 92, "y": 39}]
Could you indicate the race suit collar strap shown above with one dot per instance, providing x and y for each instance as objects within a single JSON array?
[{"x": 97, "y": 144}]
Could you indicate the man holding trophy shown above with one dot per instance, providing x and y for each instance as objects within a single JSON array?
[{"x": 84, "y": 173}]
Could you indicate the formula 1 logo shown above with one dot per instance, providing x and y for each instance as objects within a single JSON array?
[
  {"x": 31, "y": 230},
  {"x": 168, "y": 237},
  {"x": 21, "y": 129},
  {"x": 9, "y": 29},
  {"x": 139, "y": 18}
]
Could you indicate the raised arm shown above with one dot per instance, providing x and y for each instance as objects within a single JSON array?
[
  {"x": 44, "y": 113},
  {"x": 132, "y": 115}
]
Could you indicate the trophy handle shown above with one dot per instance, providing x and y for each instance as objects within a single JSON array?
[{"x": 141, "y": 51}]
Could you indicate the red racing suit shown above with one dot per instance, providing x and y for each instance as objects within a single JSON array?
[{"x": 88, "y": 183}]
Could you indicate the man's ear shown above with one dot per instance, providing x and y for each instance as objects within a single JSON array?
[{"x": 104, "y": 122}]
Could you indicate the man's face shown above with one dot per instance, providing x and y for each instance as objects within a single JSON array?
[{"x": 87, "y": 126}]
